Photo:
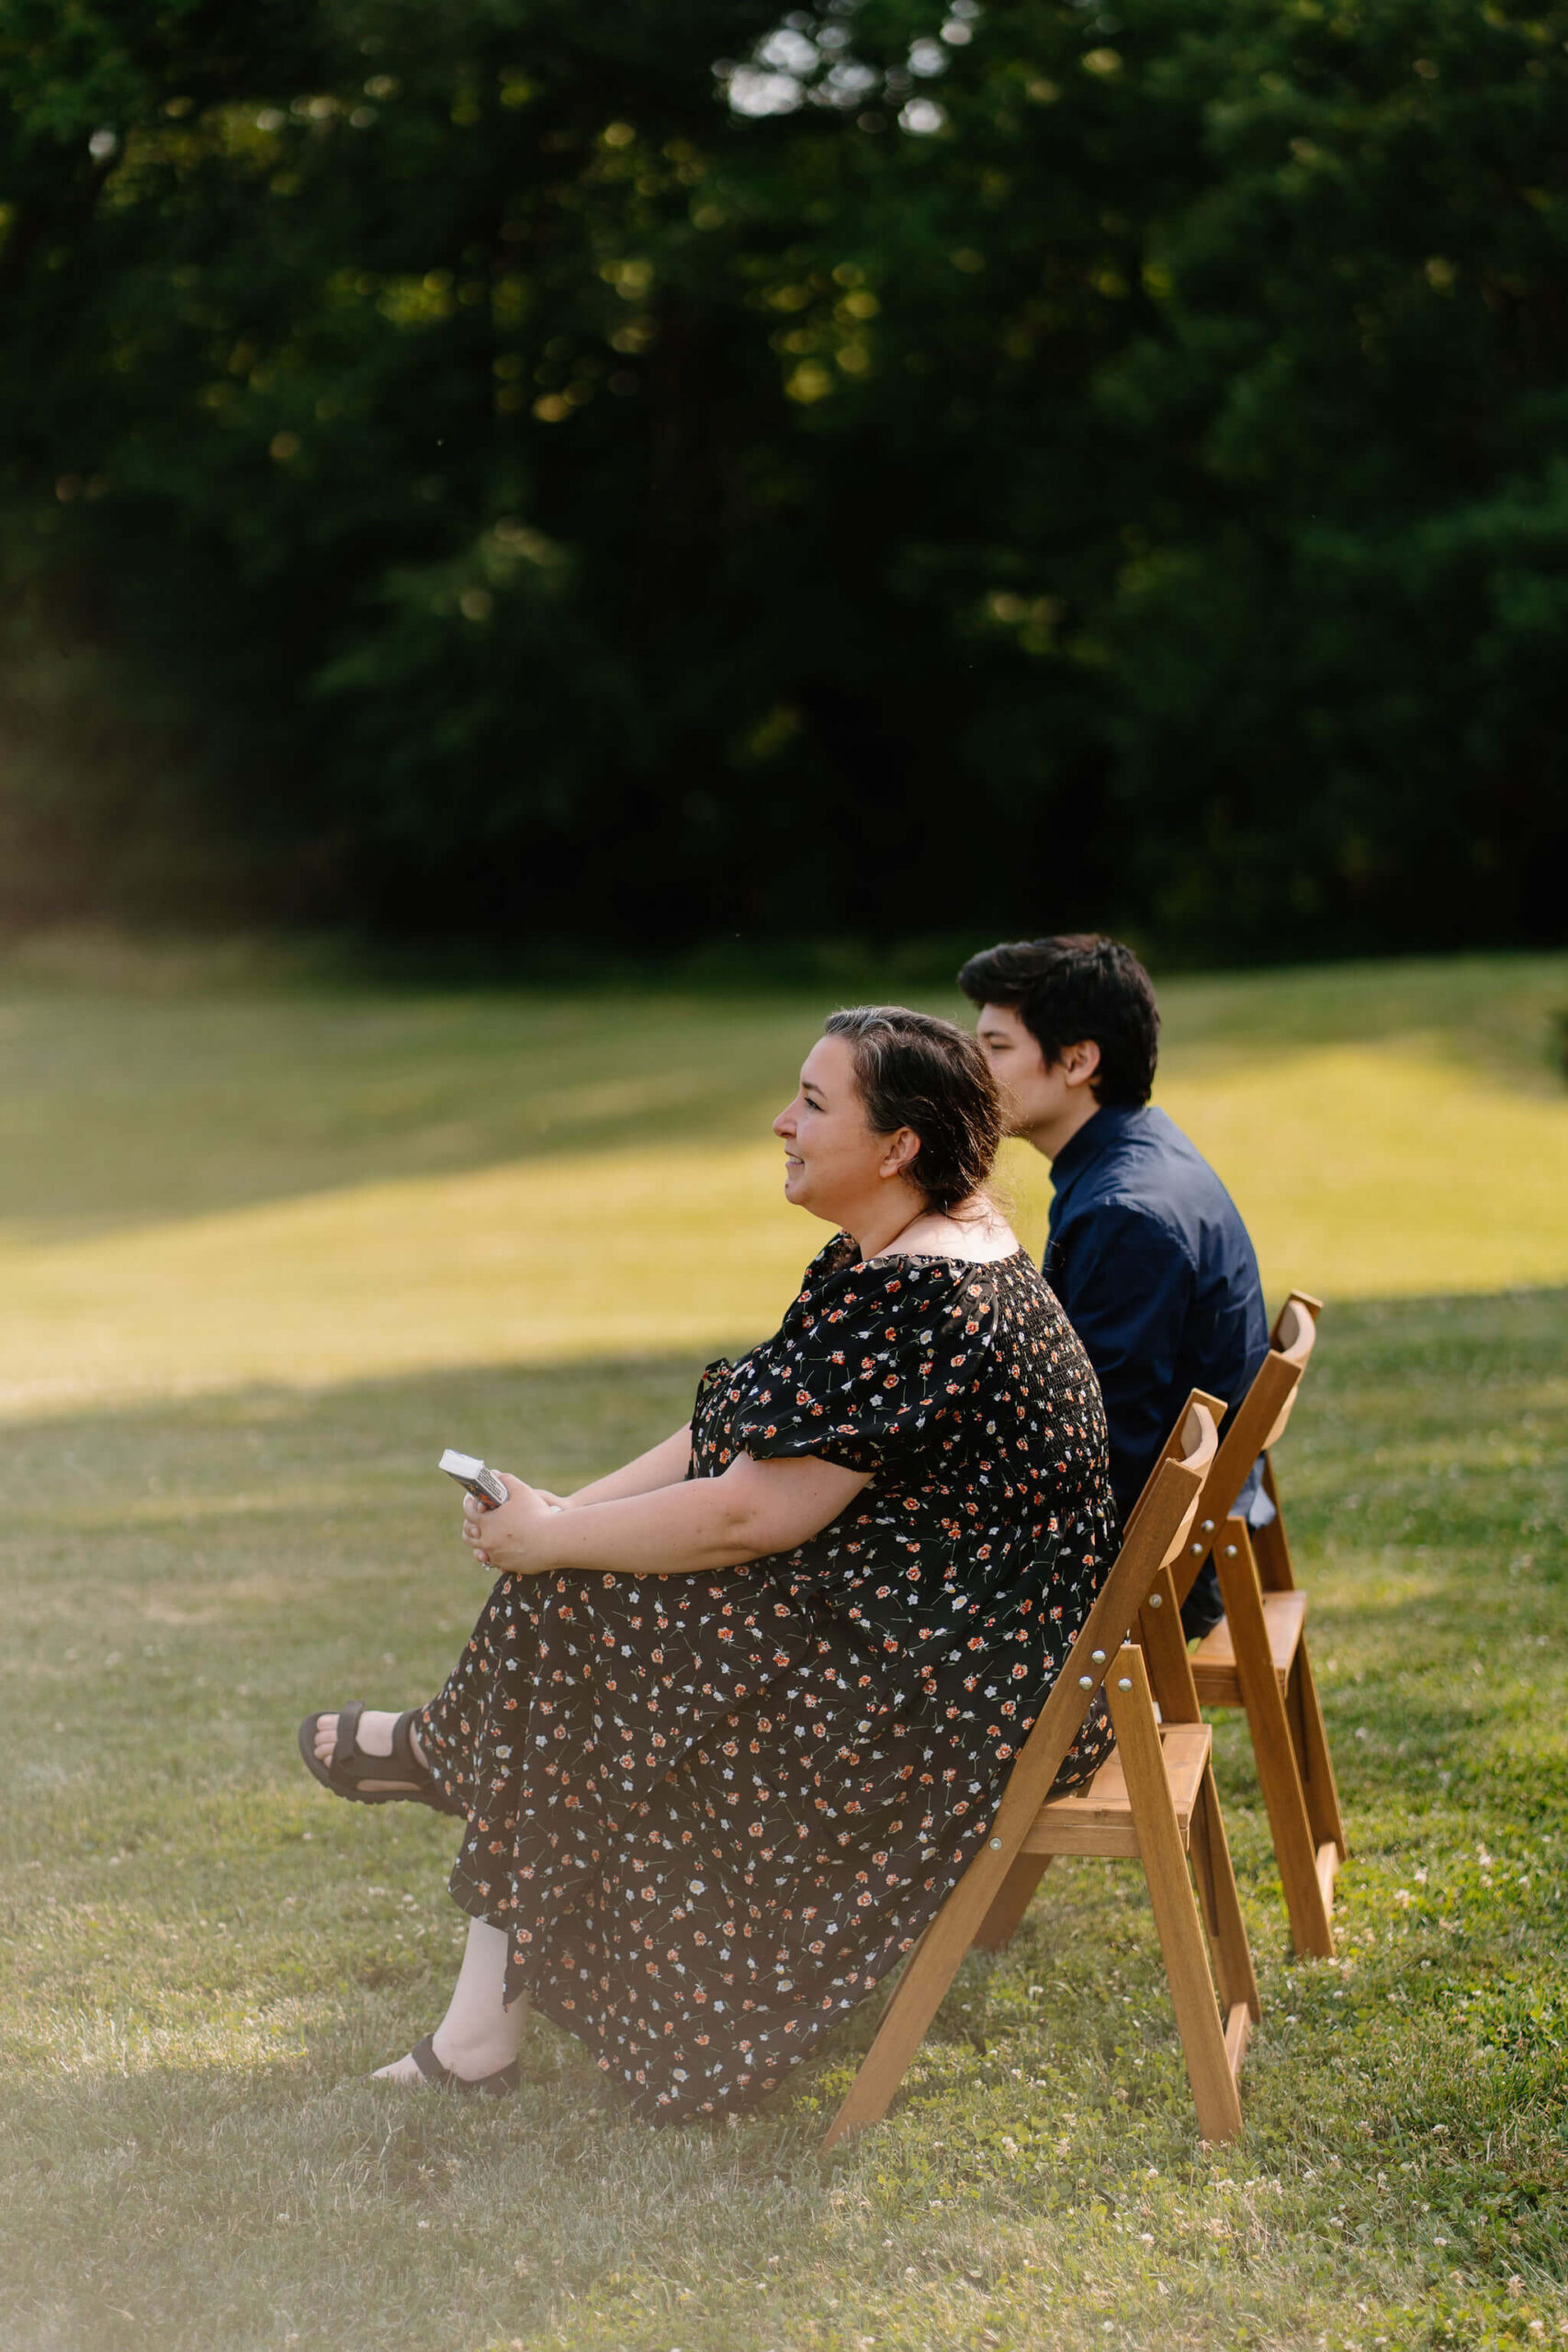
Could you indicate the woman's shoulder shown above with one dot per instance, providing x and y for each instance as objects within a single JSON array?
[
  {"x": 840, "y": 1280},
  {"x": 1006, "y": 1296},
  {"x": 916, "y": 1285},
  {"x": 840, "y": 1285}
]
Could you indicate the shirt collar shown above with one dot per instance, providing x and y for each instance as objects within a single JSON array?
[{"x": 1096, "y": 1136}]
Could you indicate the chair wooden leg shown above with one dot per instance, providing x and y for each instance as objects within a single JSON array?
[
  {"x": 928, "y": 1970},
  {"x": 1312, "y": 1753},
  {"x": 1294, "y": 1846},
  {"x": 1012, "y": 1901},
  {"x": 1204, "y": 2036},
  {"x": 1222, "y": 1904},
  {"x": 1158, "y": 1527},
  {"x": 916, "y": 1999}
]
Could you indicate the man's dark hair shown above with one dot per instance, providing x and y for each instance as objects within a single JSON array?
[
  {"x": 914, "y": 1070},
  {"x": 1076, "y": 987}
]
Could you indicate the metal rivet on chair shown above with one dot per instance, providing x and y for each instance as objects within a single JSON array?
[
  {"x": 1126, "y": 1683},
  {"x": 996, "y": 1845},
  {"x": 1197, "y": 1551},
  {"x": 1230, "y": 1551},
  {"x": 1208, "y": 1527},
  {"x": 1086, "y": 1682},
  {"x": 1099, "y": 1656},
  {"x": 1156, "y": 1600}
]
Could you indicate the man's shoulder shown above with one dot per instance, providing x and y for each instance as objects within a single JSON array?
[
  {"x": 1151, "y": 1163},
  {"x": 1150, "y": 1176},
  {"x": 1140, "y": 1217}
]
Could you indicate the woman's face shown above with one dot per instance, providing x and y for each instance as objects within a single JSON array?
[{"x": 834, "y": 1165}]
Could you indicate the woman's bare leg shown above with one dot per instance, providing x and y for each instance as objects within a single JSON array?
[{"x": 478, "y": 2034}]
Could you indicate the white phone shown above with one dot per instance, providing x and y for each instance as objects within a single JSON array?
[{"x": 486, "y": 1485}]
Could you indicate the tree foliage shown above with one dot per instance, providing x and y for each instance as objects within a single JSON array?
[{"x": 660, "y": 471}]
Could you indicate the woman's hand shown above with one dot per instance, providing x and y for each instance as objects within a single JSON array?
[{"x": 507, "y": 1537}]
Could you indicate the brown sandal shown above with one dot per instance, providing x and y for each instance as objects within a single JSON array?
[
  {"x": 504, "y": 2080},
  {"x": 352, "y": 1774}
]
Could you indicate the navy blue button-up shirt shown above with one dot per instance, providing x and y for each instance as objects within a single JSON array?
[{"x": 1158, "y": 1278}]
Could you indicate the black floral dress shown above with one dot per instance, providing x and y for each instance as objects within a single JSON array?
[{"x": 712, "y": 1811}]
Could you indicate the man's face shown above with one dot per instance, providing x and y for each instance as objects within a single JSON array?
[
  {"x": 1046, "y": 1102},
  {"x": 1032, "y": 1095}
]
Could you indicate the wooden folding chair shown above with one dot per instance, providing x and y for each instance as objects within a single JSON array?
[
  {"x": 1257, "y": 1656},
  {"x": 1154, "y": 1800}
]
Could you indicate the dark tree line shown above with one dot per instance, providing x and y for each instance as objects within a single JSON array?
[{"x": 580, "y": 466}]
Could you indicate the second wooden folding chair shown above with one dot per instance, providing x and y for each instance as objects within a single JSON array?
[
  {"x": 1257, "y": 1656},
  {"x": 1155, "y": 1800}
]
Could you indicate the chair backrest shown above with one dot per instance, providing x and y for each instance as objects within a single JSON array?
[
  {"x": 1155, "y": 1534},
  {"x": 1174, "y": 1448},
  {"x": 1259, "y": 1421},
  {"x": 1293, "y": 1337},
  {"x": 1193, "y": 1443}
]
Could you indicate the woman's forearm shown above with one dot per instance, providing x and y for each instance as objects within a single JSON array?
[
  {"x": 690, "y": 1528},
  {"x": 662, "y": 1466},
  {"x": 752, "y": 1509},
  {"x": 684, "y": 1527}
]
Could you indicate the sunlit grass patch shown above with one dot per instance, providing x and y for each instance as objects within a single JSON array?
[{"x": 315, "y": 1188}]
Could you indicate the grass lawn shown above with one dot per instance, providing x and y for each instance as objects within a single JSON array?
[
  {"x": 263, "y": 1252},
  {"x": 221, "y": 1186}
]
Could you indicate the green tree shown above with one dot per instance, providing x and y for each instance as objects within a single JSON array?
[{"x": 582, "y": 468}]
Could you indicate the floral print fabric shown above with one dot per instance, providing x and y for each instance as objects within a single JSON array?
[{"x": 712, "y": 1811}]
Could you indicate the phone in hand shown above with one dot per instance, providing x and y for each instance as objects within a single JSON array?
[{"x": 486, "y": 1485}]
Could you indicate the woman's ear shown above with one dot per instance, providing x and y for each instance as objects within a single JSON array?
[{"x": 903, "y": 1150}]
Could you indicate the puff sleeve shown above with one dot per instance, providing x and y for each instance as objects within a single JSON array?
[{"x": 867, "y": 1375}]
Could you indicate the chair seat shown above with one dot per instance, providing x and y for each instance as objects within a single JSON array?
[
  {"x": 1214, "y": 1661},
  {"x": 1098, "y": 1819}
]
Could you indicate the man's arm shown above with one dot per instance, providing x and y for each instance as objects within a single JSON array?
[{"x": 1126, "y": 1286}]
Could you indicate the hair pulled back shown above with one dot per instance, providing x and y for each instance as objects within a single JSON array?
[{"x": 914, "y": 1070}]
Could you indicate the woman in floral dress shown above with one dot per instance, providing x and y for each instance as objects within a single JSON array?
[{"x": 735, "y": 1719}]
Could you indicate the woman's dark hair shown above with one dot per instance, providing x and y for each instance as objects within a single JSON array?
[
  {"x": 916, "y": 1071},
  {"x": 1076, "y": 987}
]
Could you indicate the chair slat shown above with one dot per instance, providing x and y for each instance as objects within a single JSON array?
[
  {"x": 1214, "y": 1661},
  {"x": 1098, "y": 1819}
]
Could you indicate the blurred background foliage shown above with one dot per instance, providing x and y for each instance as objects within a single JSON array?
[{"x": 523, "y": 470}]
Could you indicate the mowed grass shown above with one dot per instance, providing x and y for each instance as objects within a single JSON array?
[
  {"x": 227, "y": 1184},
  {"x": 264, "y": 1250},
  {"x": 206, "y": 1954}
]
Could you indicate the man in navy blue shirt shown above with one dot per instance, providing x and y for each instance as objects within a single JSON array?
[{"x": 1147, "y": 1252}]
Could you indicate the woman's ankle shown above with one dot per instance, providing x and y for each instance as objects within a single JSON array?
[{"x": 473, "y": 2050}]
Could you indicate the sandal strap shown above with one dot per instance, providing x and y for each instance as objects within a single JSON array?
[
  {"x": 429, "y": 2064},
  {"x": 403, "y": 1747},
  {"x": 347, "y": 1732},
  {"x": 496, "y": 2086}
]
